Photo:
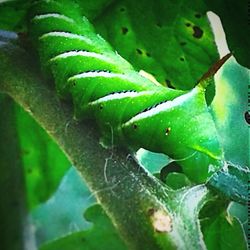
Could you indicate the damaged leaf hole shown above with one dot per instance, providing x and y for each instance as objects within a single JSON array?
[
  {"x": 172, "y": 167},
  {"x": 122, "y": 9},
  {"x": 159, "y": 25},
  {"x": 124, "y": 30},
  {"x": 197, "y": 15}
]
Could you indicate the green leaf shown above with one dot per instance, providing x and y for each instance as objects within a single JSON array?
[
  {"x": 63, "y": 211},
  {"x": 153, "y": 162},
  {"x": 91, "y": 9},
  {"x": 186, "y": 205},
  {"x": 12, "y": 198},
  {"x": 241, "y": 213},
  {"x": 13, "y": 12},
  {"x": 232, "y": 182},
  {"x": 228, "y": 108},
  {"x": 221, "y": 230},
  {"x": 224, "y": 232},
  {"x": 177, "y": 180},
  {"x": 235, "y": 20},
  {"x": 12, "y": 15},
  {"x": 172, "y": 41},
  {"x": 44, "y": 163},
  {"x": 102, "y": 235}
]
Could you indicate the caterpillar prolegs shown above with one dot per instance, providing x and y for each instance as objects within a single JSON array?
[{"x": 105, "y": 87}]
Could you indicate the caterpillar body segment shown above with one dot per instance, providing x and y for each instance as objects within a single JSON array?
[
  {"x": 67, "y": 42},
  {"x": 62, "y": 7},
  {"x": 130, "y": 102},
  {"x": 161, "y": 115},
  {"x": 63, "y": 67}
]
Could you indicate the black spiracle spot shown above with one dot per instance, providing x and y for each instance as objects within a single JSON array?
[
  {"x": 135, "y": 126},
  {"x": 182, "y": 59},
  {"x": 167, "y": 131},
  {"x": 169, "y": 84},
  {"x": 139, "y": 51},
  {"x": 183, "y": 43},
  {"x": 197, "y": 32}
]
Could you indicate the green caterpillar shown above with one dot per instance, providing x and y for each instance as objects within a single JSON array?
[{"x": 104, "y": 87}]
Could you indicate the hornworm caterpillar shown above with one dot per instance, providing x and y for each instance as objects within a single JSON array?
[{"x": 106, "y": 88}]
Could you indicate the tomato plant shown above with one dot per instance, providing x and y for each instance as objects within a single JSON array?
[{"x": 129, "y": 112}]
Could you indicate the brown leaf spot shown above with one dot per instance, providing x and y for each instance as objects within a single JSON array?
[{"x": 161, "y": 221}]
